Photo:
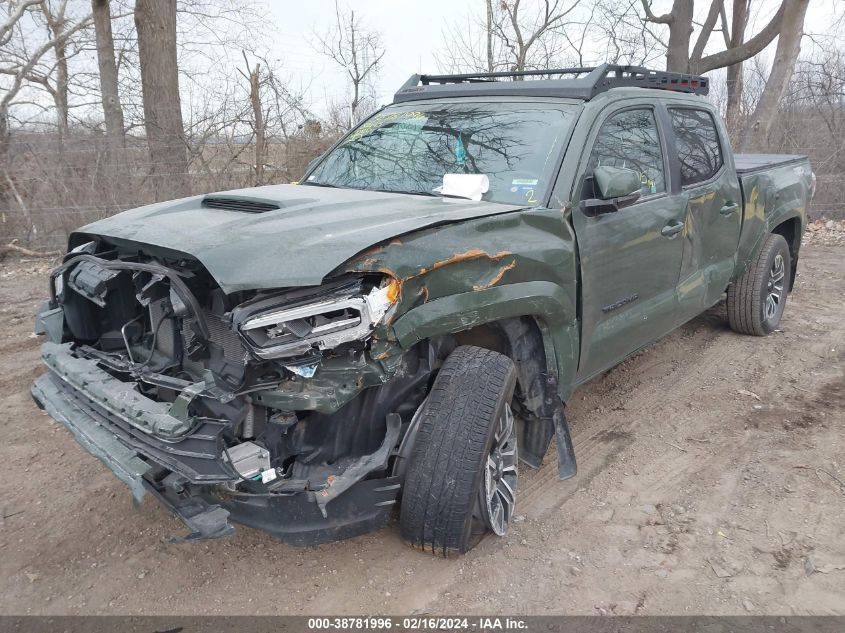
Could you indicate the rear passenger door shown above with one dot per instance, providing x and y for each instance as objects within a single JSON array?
[{"x": 710, "y": 192}]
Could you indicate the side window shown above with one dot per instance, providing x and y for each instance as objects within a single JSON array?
[
  {"x": 697, "y": 138},
  {"x": 629, "y": 139}
]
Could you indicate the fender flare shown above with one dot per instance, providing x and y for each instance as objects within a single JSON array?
[{"x": 548, "y": 302}]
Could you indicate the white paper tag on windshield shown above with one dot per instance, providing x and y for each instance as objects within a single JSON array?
[{"x": 469, "y": 186}]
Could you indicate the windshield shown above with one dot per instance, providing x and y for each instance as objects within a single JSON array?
[{"x": 410, "y": 148}]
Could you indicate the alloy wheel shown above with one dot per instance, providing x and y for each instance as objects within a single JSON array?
[
  {"x": 501, "y": 474},
  {"x": 774, "y": 287}
]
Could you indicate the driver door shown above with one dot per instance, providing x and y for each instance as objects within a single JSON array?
[{"x": 631, "y": 256}]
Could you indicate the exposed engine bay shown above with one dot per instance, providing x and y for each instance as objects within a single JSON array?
[{"x": 237, "y": 401}]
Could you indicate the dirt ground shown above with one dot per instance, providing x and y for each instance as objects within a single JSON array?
[{"x": 711, "y": 470}]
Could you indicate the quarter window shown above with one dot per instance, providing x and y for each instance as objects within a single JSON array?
[
  {"x": 629, "y": 139},
  {"x": 699, "y": 151}
]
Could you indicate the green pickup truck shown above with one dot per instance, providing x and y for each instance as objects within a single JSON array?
[{"x": 403, "y": 327}]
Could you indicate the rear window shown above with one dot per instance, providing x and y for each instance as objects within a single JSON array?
[{"x": 697, "y": 139}]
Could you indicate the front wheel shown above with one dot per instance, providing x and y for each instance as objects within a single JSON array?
[
  {"x": 462, "y": 474},
  {"x": 757, "y": 299}
]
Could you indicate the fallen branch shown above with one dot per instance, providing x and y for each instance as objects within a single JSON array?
[
  {"x": 818, "y": 472},
  {"x": 695, "y": 439},
  {"x": 26, "y": 252}
]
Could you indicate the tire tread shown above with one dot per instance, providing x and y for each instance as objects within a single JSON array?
[
  {"x": 744, "y": 300},
  {"x": 442, "y": 480}
]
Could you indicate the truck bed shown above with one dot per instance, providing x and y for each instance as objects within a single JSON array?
[{"x": 750, "y": 163}]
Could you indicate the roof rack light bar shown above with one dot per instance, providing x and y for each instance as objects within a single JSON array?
[{"x": 575, "y": 83}]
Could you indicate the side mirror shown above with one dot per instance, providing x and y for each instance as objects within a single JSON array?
[
  {"x": 616, "y": 182},
  {"x": 616, "y": 187}
]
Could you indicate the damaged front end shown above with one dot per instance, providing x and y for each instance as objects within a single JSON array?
[{"x": 282, "y": 410}]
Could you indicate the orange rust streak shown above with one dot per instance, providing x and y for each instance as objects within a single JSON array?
[
  {"x": 498, "y": 276},
  {"x": 473, "y": 253}
]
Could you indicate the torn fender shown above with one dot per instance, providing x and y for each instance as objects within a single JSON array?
[{"x": 542, "y": 299}]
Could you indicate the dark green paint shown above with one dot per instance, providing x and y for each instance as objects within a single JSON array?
[{"x": 315, "y": 230}]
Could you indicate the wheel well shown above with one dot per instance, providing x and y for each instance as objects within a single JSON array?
[
  {"x": 536, "y": 398},
  {"x": 791, "y": 231}
]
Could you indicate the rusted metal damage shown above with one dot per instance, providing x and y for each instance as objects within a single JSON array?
[
  {"x": 473, "y": 253},
  {"x": 497, "y": 277}
]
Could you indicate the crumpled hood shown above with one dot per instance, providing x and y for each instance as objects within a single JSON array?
[{"x": 315, "y": 230}]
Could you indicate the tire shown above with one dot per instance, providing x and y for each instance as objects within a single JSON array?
[
  {"x": 463, "y": 423},
  {"x": 757, "y": 299}
]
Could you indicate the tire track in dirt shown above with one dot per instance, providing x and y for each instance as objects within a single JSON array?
[{"x": 598, "y": 437}]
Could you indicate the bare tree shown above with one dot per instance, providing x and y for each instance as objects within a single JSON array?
[
  {"x": 358, "y": 51},
  {"x": 56, "y": 23},
  {"x": 20, "y": 63},
  {"x": 155, "y": 23},
  {"x": 739, "y": 22},
  {"x": 253, "y": 76},
  {"x": 516, "y": 35},
  {"x": 680, "y": 24},
  {"x": 789, "y": 45},
  {"x": 14, "y": 12},
  {"x": 109, "y": 92},
  {"x": 488, "y": 32}
]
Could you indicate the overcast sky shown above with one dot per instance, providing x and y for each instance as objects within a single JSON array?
[{"x": 413, "y": 30}]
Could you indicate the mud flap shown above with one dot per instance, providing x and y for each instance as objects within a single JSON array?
[{"x": 566, "y": 465}]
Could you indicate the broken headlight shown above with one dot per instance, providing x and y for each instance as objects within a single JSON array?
[{"x": 285, "y": 332}]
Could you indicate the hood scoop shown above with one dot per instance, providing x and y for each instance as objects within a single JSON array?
[{"x": 244, "y": 205}]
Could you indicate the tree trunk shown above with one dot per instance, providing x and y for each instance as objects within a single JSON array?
[
  {"x": 489, "y": 36},
  {"x": 680, "y": 30},
  {"x": 680, "y": 23},
  {"x": 112, "y": 109},
  {"x": 56, "y": 26},
  {"x": 5, "y": 193},
  {"x": 155, "y": 22},
  {"x": 734, "y": 80},
  {"x": 60, "y": 97},
  {"x": 258, "y": 117},
  {"x": 354, "y": 72},
  {"x": 789, "y": 45}
]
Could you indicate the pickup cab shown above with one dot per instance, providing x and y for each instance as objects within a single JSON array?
[{"x": 399, "y": 332}]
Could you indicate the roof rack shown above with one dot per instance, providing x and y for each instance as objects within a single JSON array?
[{"x": 573, "y": 83}]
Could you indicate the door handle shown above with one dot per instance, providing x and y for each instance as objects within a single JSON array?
[
  {"x": 673, "y": 229},
  {"x": 729, "y": 208}
]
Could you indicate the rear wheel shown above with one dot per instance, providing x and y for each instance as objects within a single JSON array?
[
  {"x": 757, "y": 299},
  {"x": 462, "y": 475}
]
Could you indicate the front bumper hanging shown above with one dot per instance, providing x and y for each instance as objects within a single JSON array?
[{"x": 113, "y": 422}]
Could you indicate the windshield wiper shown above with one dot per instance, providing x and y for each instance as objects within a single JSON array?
[
  {"x": 412, "y": 193},
  {"x": 320, "y": 184}
]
